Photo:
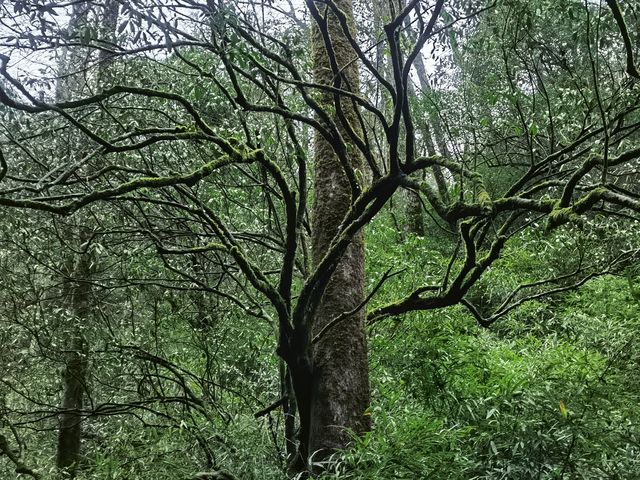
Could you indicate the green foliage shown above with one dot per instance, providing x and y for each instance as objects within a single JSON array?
[
  {"x": 551, "y": 391},
  {"x": 180, "y": 344}
]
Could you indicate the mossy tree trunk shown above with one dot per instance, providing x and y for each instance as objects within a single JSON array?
[{"x": 340, "y": 389}]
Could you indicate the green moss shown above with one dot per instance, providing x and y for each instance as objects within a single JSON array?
[
  {"x": 485, "y": 201},
  {"x": 561, "y": 215}
]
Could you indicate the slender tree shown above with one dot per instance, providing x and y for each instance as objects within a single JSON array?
[
  {"x": 81, "y": 262},
  {"x": 77, "y": 284}
]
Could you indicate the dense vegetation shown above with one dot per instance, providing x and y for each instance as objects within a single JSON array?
[{"x": 186, "y": 192}]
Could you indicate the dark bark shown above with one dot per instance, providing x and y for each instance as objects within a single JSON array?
[
  {"x": 70, "y": 419},
  {"x": 436, "y": 125},
  {"x": 68, "y": 452},
  {"x": 76, "y": 286},
  {"x": 340, "y": 386},
  {"x": 431, "y": 129},
  {"x": 414, "y": 209},
  {"x": 288, "y": 410}
]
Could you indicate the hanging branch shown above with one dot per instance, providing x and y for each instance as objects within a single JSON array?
[{"x": 632, "y": 69}]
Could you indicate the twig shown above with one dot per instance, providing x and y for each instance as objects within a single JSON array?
[
  {"x": 271, "y": 408},
  {"x": 20, "y": 466},
  {"x": 387, "y": 275}
]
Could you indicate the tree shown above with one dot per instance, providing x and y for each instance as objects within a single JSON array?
[
  {"x": 81, "y": 262},
  {"x": 340, "y": 394},
  {"x": 200, "y": 147},
  {"x": 77, "y": 286}
]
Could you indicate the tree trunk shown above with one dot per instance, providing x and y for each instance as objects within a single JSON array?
[
  {"x": 340, "y": 388},
  {"x": 70, "y": 419},
  {"x": 76, "y": 286},
  {"x": 68, "y": 452}
]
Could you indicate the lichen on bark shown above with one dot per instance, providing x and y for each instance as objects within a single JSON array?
[{"x": 340, "y": 394}]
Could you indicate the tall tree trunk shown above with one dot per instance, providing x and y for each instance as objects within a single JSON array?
[
  {"x": 340, "y": 390},
  {"x": 78, "y": 292},
  {"x": 70, "y": 419}
]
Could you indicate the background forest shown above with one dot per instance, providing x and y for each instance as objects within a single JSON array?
[{"x": 392, "y": 239}]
